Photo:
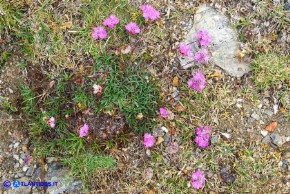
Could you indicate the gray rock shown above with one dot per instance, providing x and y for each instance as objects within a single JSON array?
[
  {"x": 266, "y": 139},
  {"x": 20, "y": 174},
  {"x": 269, "y": 112},
  {"x": 277, "y": 140},
  {"x": 29, "y": 172},
  {"x": 255, "y": 116},
  {"x": 16, "y": 157},
  {"x": 23, "y": 155},
  {"x": 224, "y": 46},
  {"x": 214, "y": 139},
  {"x": 21, "y": 161},
  {"x": 65, "y": 182},
  {"x": 16, "y": 165},
  {"x": 25, "y": 168},
  {"x": 16, "y": 144}
]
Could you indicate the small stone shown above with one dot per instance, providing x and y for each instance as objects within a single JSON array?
[
  {"x": 255, "y": 116},
  {"x": 164, "y": 129},
  {"x": 148, "y": 153},
  {"x": 227, "y": 176},
  {"x": 167, "y": 138},
  {"x": 16, "y": 157},
  {"x": 266, "y": 139},
  {"x": 10, "y": 90},
  {"x": 23, "y": 156},
  {"x": 264, "y": 132},
  {"x": 214, "y": 139},
  {"x": 21, "y": 161},
  {"x": 268, "y": 112},
  {"x": 20, "y": 174},
  {"x": 16, "y": 144},
  {"x": 11, "y": 145},
  {"x": 25, "y": 168},
  {"x": 277, "y": 139},
  {"x": 29, "y": 172},
  {"x": 16, "y": 165},
  {"x": 226, "y": 135}
]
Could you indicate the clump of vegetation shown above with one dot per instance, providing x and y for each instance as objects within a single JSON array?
[{"x": 272, "y": 71}]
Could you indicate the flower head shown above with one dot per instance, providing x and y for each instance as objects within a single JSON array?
[
  {"x": 97, "y": 88},
  {"x": 84, "y": 130},
  {"x": 201, "y": 56},
  {"x": 27, "y": 158},
  {"x": 149, "y": 12},
  {"x": 184, "y": 50},
  {"x": 202, "y": 130},
  {"x": 202, "y": 136},
  {"x": 51, "y": 122},
  {"x": 163, "y": 112},
  {"x": 197, "y": 82},
  {"x": 99, "y": 33},
  {"x": 203, "y": 37},
  {"x": 148, "y": 140},
  {"x": 111, "y": 21},
  {"x": 197, "y": 179},
  {"x": 132, "y": 28}
]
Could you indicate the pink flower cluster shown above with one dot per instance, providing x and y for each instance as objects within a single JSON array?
[
  {"x": 148, "y": 140},
  {"x": 202, "y": 136},
  {"x": 197, "y": 82},
  {"x": 83, "y": 131},
  {"x": 51, "y": 122},
  {"x": 203, "y": 39},
  {"x": 197, "y": 179},
  {"x": 163, "y": 112},
  {"x": 149, "y": 12}
]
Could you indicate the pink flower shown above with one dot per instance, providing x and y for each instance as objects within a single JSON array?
[
  {"x": 163, "y": 112},
  {"x": 97, "y": 88},
  {"x": 111, "y": 21},
  {"x": 184, "y": 50},
  {"x": 132, "y": 28},
  {"x": 201, "y": 56},
  {"x": 149, "y": 12},
  {"x": 202, "y": 141},
  {"x": 51, "y": 122},
  {"x": 197, "y": 179},
  {"x": 27, "y": 158},
  {"x": 202, "y": 130},
  {"x": 148, "y": 140},
  {"x": 99, "y": 33},
  {"x": 197, "y": 82},
  {"x": 203, "y": 37},
  {"x": 202, "y": 136},
  {"x": 84, "y": 130}
]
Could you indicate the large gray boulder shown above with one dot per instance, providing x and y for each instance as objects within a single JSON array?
[{"x": 224, "y": 46}]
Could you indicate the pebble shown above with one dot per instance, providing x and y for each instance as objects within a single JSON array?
[
  {"x": 16, "y": 165},
  {"x": 269, "y": 112},
  {"x": 214, "y": 139},
  {"x": 23, "y": 155},
  {"x": 16, "y": 157},
  {"x": 21, "y": 161},
  {"x": 255, "y": 116},
  {"x": 20, "y": 174},
  {"x": 10, "y": 91},
  {"x": 264, "y": 132},
  {"x": 276, "y": 139},
  {"x": 25, "y": 168},
  {"x": 167, "y": 138},
  {"x": 16, "y": 144},
  {"x": 226, "y": 135},
  {"x": 29, "y": 172}
]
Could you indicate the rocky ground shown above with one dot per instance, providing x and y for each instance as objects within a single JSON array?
[{"x": 251, "y": 130}]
